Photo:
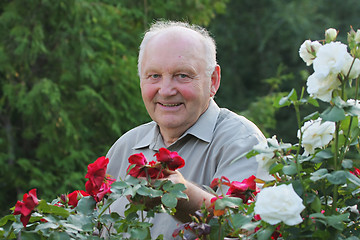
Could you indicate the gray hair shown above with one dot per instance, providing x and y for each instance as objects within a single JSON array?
[{"x": 206, "y": 39}]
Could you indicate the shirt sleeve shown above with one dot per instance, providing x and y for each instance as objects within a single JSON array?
[{"x": 243, "y": 167}]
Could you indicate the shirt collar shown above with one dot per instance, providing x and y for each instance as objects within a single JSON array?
[{"x": 203, "y": 128}]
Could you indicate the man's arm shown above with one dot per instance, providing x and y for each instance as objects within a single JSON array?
[{"x": 197, "y": 197}]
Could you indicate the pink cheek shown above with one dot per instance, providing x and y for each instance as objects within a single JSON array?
[
  {"x": 188, "y": 93},
  {"x": 148, "y": 92}
]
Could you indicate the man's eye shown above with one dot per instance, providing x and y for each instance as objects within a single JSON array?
[
  {"x": 183, "y": 75},
  {"x": 155, "y": 76}
]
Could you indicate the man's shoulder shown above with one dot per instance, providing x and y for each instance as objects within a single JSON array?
[
  {"x": 139, "y": 131},
  {"x": 235, "y": 123},
  {"x": 132, "y": 137}
]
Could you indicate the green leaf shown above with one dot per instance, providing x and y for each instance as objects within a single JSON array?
[
  {"x": 30, "y": 236},
  {"x": 337, "y": 177},
  {"x": 169, "y": 200},
  {"x": 352, "y": 178},
  {"x": 81, "y": 221},
  {"x": 86, "y": 205},
  {"x": 168, "y": 185},
  {"x": 319, "y": 174},
  {"x": 225, "y": 202},
  {"x": 46, "y": 225},
  {"x": 298, "y": 187},
  {"x": 275, "y": 168},
  {"x": 119, "y": 185},
  {"x": 312, "y": 116},
  {"x": 347, "y": 163},
  {"x": 286, "y": 101},
  {"x": 240, "y": 220},
  {"x": 59, "y": 236},
  {"x": 7, "y": 218},
  {"x": 333, "y": 114},
  {"x": 316, "y": 204},
  {"x": 265, "y": 233},
  {"x": 177, "y": 187},
  {"x": 149, "y": 192},
  {"x": 52, "y": 209},
  {"x": 290, "y": 169},
  {"x": 317, "y": 215},
  {"x": 353, "y": 111},
  {"x": 140, "y": 233},
  {"x": 337, "y": 221},
  {"x": 313, "y": 102},
  {"x": 322, "y": 155}
]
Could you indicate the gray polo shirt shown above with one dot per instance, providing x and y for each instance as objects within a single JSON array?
[{"x": 208, "y": 147}]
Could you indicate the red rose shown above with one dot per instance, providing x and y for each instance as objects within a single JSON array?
[
  {"x": 244, "y": 190},
  {"x": 96, "y": 171},
  {"x": 172, "y": 160},
  {"x": 222, "y": 181},
  {"x": 138, "y": 159},
  {"x": 26, "y": 206},
  {"x": 141, "y": 168},
  {"x": 104, "y": 189},
  {"x": 154, "y": 170},
  {"x": 137, "y": 163},
  {"x": 75, "y": 196},
  {"x": 356, "y": 172}
]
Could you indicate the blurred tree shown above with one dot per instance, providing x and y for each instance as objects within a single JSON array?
[{"x": 69, "y": 85}]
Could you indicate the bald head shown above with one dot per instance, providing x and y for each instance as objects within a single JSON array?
[{"x": 195, "y": 35}]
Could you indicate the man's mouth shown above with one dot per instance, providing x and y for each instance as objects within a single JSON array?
[{"x": 170, "y": 105}]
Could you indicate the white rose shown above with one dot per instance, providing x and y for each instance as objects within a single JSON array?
[
  {"x": 316, "y": 135},
  {"x": 330, "y": 58},
  {"x": 355, "y": 69},
  {"x": 353, "y": 103},
  {"x": 356, "y": 105},
  {"x": 308, "y": 51},
  {"x": 273, "y": 142},
  {"x": 265, "y": 160},
  {"x": 331, "y": 34},
  {"x": 322, "y": 87},
  {"x": 279, "y": 203},
  {"x": 266, "y": 154}
]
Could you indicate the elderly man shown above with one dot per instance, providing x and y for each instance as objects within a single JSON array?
[{"x": 179, "y": 77}]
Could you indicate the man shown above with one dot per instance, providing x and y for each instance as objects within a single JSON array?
[{"x": 179, "y": 77}]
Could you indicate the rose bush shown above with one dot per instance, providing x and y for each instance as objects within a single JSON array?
[
  {"x": 313, "y": 193},
  {"x": 87, "y": 214}
]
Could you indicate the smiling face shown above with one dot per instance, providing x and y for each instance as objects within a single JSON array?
[{"x": 175, "y": 87}]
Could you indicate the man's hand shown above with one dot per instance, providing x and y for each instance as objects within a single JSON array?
[{"x": 197, "y": 196}]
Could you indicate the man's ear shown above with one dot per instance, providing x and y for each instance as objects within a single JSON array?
[{"x": 215, "y": 80}]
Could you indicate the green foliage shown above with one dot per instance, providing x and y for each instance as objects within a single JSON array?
[{"x": 69, "y": 84}]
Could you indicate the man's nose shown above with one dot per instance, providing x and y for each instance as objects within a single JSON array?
[{"x": 167, "y": 87}]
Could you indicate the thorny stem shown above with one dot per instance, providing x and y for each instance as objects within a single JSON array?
[
  {"x": 11, "y": 231},
  {"x": 298, "y": 165},
  {"x": 356, "y": 88},
  {"x": 105, "y": 208},
  {"x": 336, "y": 165}
]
